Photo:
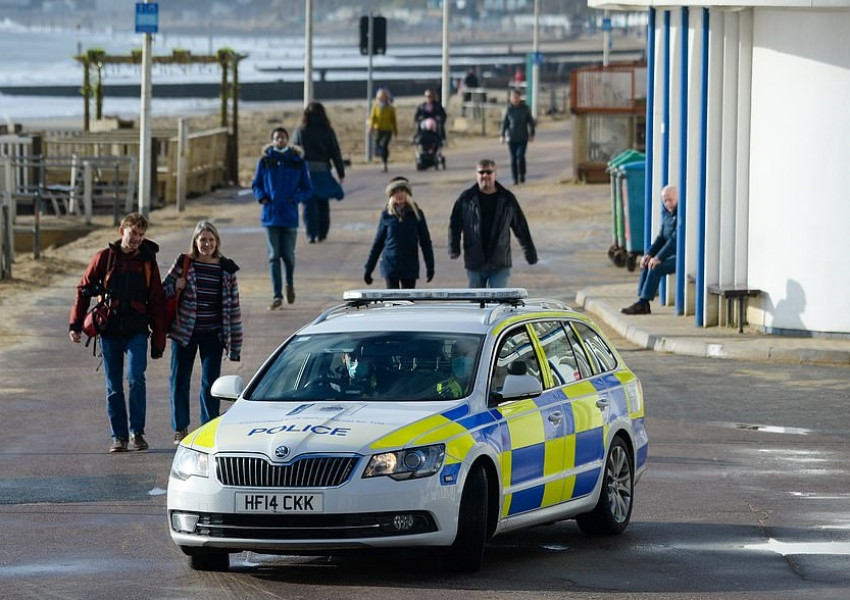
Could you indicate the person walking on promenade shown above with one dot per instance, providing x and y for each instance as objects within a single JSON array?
[
  {"x": 208, "y": 322},
  {"x": 482, "y": 218},
  {"x": 431, "y": 109},
  {"x": 402, "y": 230},
  {"x": 126, "y": 273},
  {"x": 660, "y": 258},
  {"x": 281, "y": 182},
  {"x": 321, "y": 150},
  {"x": 382, "y": 123},
  {"x": 517, "y": 130},
  {"x": 470, "y": 82}
]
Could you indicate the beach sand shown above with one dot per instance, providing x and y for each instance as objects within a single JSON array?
[{"x": 348, "y": 119}]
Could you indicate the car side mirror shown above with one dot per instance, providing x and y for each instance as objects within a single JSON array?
[
  {"x": 228, "y": 387},
  {"x": 518, "y": 384}
]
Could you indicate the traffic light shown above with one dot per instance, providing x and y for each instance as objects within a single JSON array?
[{"x": 379, "y": 32}]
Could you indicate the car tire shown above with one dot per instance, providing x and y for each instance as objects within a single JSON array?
[
  {"x": 205, "y": 560},
  {"x": 613, "y": 511},
  {"x": 466, "y": 554}
]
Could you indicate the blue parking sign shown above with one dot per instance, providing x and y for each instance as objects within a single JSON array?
[{"x": 147, "y": 17}]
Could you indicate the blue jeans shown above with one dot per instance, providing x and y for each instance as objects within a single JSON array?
[
  {"x": 650, "y": 279},
  {"x": 280, "y": 242},
  {"x": 182, "y": 360},
  {"x": 482, "y": 278},
  {"x": 317, "y": 218},
  {"x": 136, "y": 349},
  {"x": 517, "y": 150}
]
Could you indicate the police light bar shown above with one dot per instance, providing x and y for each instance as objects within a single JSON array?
[{"x": 491, "y": 295}]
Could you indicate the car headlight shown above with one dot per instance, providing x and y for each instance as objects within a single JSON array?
[
  {"x": 190, "y": 463},
  {"x": 407, "y": 464}
]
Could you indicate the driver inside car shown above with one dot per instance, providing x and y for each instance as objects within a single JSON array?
[{"x": 358, "y": 377}]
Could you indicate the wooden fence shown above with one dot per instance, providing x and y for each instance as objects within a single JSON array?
[{"x": 204, "y": 156}]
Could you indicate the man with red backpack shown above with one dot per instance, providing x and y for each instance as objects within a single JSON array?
[{"x": 126, "y": 274}]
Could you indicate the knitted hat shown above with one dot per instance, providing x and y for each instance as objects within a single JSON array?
[{"x": 399, "y": 183}]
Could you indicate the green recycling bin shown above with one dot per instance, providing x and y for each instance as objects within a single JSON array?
[
  {"x": 634, "y": 179},
  {"x": 617, "y": 252}
]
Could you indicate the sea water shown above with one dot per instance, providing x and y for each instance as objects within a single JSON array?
[{"x": 41, "y": 56}]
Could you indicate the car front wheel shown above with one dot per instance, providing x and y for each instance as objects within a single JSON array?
[
  {"x": 208, "y": 560},
  {"x": 612, "y": 513},
  {"x": 466, "y": 554}
]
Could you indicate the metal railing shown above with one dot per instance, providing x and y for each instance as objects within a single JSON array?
[{"x": 70, "y": 186}]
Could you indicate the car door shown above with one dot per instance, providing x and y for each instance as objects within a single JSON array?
[
  {"x": 572, "y": 376},
  {"x": 532, "y": 432},
  {"x": 594, "y": 408}
]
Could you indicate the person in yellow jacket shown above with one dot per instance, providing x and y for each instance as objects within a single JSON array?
[{"x": 383, "y": 125}]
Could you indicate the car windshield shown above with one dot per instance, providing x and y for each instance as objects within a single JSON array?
[{"x": 375, "y": 366}]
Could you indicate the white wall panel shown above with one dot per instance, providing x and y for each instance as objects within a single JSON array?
[{"x": 799, "y": 245}]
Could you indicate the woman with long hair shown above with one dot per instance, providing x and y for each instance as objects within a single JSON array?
[
  {"x": 402, "y": 230},
  {"x": 208, "y": 322},
  {"x": 321, "y": 151}
]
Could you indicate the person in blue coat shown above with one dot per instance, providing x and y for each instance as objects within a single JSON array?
[
  {"x": 281, "y": 182},
  {"x": 402, "y": 230},
  {"x": 660, "y": 258}
]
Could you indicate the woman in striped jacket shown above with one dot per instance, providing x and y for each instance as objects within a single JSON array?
[{"x": 208, "y": 322}]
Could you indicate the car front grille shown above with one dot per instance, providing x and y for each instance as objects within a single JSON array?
[
  {"x": 307, "y": 472},
  {"x": 312, "y": 527}
]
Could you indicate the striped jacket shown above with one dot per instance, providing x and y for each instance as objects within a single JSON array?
[{"x": 187, "y": 309}]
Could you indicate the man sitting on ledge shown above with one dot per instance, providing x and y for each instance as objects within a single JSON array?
[{"x": 660, "y": 257}]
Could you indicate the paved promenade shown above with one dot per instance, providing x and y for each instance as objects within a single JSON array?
[{"x": 570, "y": 223}]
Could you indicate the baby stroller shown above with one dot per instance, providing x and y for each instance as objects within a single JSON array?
[{"x": 428, "y": 143}]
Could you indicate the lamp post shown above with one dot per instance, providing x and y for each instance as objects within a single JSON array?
[
  {"x": 445, "y": 92},
  {"x": 145, "y": 129},
  {"x": 308, "y": 52},
  {"x": 535, "y": 61}
]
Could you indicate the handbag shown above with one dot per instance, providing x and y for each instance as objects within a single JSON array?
[
  {"x": 97, "y": 319},
  {"x": 172, "y": 302},
  {"x": 326, "y": 186}
]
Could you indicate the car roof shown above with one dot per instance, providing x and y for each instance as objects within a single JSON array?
[{"x": 443, "y": 309}]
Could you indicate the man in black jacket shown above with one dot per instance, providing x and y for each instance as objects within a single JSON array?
[{"x": 484, "y": 215}]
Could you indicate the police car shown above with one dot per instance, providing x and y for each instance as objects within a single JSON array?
[{"x": 415, "y": 419}]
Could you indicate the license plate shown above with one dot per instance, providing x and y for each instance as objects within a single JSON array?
[{"x": 279, "y": 503}]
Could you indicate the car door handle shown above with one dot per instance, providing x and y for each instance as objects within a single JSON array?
[
  {"x": 602, "y": 402},
  {"x": 555, "y": 418}
]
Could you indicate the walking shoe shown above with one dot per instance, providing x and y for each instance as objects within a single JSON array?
[
  {"x": 638, "y": 308},
  {"x": 290, "y": 294},
  {"x": 118, "y": 446},
  {"x": 138, "y": 441},
  {"x": 276, "y": 303},
  {"x": 179, "y": 435}
]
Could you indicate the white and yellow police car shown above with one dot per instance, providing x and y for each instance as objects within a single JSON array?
[{"x": 415, "y": 419}]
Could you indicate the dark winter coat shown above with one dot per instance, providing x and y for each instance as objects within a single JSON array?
[
  {"x": 400, "y": 240},
  {"x": 320, "y": 144},
  {"x": 465, "y": 222},
  {"x": 517, "y": 123},
  {"x": 664, "y": 244},
  {"x": 282, "y": 179}
]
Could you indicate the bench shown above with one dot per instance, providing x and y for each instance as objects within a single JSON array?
[{"x": 734, "y": 293}]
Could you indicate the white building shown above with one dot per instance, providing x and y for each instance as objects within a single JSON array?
[{"x": 749, "y": 114}]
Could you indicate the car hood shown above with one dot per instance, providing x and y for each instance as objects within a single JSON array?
[{"x": 322, "y": 427}]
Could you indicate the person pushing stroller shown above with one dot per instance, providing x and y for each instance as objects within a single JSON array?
[{"x": 428, "y": 142}]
